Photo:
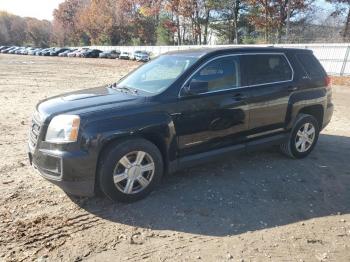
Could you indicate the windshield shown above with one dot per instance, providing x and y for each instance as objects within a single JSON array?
[{"x": 157, "y": 75}]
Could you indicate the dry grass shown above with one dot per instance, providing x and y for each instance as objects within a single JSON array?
[{"x": 341, "y": 80}]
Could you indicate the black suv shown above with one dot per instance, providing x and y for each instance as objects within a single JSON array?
[{"x": 180, "y": 109}]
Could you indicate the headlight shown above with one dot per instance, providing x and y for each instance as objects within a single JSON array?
[{"x": 63, "y": 129}]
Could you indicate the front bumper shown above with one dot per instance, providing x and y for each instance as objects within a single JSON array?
[{"x": 74, "y": 172}]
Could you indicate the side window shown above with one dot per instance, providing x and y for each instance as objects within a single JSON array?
[
  {"x": 265, "y": 68},
  {"x": 311, "y": 65},
  {"x": 220, "y": 74}
]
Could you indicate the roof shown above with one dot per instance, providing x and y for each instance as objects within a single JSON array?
[{"x": 199, "y": 52}]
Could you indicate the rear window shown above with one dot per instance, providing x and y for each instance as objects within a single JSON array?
[
  {"x": 311, "y": 65},
  {"x": 265, "y": 68}
]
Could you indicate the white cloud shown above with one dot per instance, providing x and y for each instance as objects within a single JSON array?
[{"x": 41, "y": 9}]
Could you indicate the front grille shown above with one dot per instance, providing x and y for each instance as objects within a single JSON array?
[{"x": 34, "y": 132}]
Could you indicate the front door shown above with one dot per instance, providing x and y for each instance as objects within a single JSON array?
[{"x": 217, "y": 117}]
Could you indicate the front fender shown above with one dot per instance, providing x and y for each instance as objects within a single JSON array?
[{"x": 100, "y": 132}]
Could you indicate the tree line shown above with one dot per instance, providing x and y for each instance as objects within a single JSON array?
[
  {"x": 164, "y": 22},
  {"x": 16, "y": 30}
]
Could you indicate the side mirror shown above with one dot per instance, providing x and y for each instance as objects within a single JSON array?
[{"x": 196, "y": 87}]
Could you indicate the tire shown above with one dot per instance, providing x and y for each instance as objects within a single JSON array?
[
  {"x": 125, "y": 170},
  {"x": 293, "y": 147}
]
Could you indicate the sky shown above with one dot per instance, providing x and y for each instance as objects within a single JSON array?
[{"x": 42, "y": 9}]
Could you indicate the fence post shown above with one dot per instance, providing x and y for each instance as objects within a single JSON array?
[{"x": 345, "y": 61}]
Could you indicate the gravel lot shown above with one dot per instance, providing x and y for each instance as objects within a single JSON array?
[{"x": 258, "y": 206}]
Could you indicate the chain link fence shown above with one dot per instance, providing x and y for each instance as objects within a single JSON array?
[{"x": 335, "y": 58}]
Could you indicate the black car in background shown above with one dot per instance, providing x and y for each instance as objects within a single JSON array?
[
  {"x": 180, "y": 109},
  {"x": 91, "y": 53},
  {"x": 112, "y": 54}
]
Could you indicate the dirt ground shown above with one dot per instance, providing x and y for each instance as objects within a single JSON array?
[{"x": 259, "y": 206}]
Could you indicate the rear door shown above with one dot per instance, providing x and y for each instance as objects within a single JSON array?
[{"x": 269, "y": 78}]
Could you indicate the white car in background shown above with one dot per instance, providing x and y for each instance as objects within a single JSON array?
[
  {"x": 134, "y": 54},
  {"x": 124, "y": 55}
]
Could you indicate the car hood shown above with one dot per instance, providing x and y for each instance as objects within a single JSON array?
[{"x": 83, "y": 101}]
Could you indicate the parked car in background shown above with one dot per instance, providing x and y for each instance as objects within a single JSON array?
[
  {"x": 91, "y": 53},
  {"x": 39, "y": 51},
  {"x": 7, "y": 50},
  {"x": 81, "y": 52},
  {"x": 65, "y": 53},
  {"x": 3, "y": 47},
  {"x": 42, "y": 51},
  {"x": 134, "y": 54},
  {"x": 57, "y": 51},
  {"x": 14, "y": 50},
  {"x": 124, "y": 55},
  {"x": 142, "y": 56},
  {"x": 18, "y": 51},
  {"x": 4, "y": 50},
  {"x": 27, "y": 50},
  {"x": 112, "y": 54},
  {"x": 33, "y": 51},
  {"x": 47, "y": 51},
  {"x": 73, "y": 53},
  {"x": 84, "y": 52},
  {"x": 21, "y": 51}
]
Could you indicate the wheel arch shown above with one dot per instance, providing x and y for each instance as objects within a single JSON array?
[
  {"x": 317, "y": 111},
  {"x": 154, "y": 137},
  {"x": 311, "y": 102}
]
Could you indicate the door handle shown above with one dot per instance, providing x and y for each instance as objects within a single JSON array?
[{"x": 292, "y": 88}]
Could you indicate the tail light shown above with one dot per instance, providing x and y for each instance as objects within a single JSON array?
[{"x": 328, "y": 81}]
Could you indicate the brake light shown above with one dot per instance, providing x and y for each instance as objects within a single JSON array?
[{"x": 328, "y": 81}]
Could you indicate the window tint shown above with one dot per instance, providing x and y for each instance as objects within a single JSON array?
[
  {"x": 311, "y": 65},
  {"x": 221, "y": 74},
  {"x": 263, "y": 69}
]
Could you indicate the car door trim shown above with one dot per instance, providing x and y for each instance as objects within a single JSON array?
[
  {"x": 241, "y": 87},
  {"x": 211, "y": 155}
]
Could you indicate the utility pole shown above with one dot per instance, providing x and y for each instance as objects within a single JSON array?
[{"x": 288, "y": 20}]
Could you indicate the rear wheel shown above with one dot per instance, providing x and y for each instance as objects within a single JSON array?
[
  {"x": 130, "y": 170},
  {"x": 302, "y": 138}
]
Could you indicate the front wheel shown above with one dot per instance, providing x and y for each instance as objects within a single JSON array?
[
  {"x": 302, "y": 138},
  {"x": 130, "y": 170}
]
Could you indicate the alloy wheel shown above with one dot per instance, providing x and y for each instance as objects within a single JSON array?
[
  {"x": 305, "y": 137},
  {"x": 133, "y": 172}
]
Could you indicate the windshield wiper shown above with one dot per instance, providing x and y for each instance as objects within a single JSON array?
[{"x": 123, "y": 88}]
